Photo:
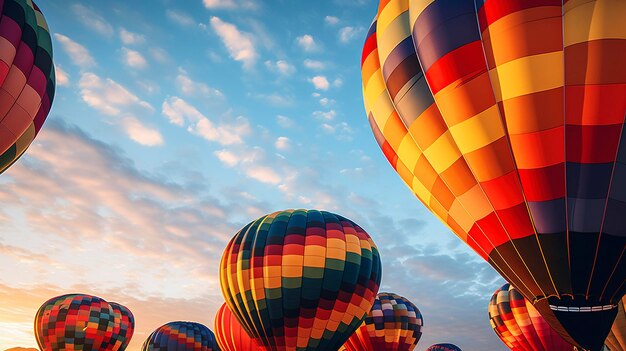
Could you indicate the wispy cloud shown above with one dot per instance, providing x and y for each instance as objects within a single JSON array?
[
  {"x": 320, "y": 82},
  {"x": 307, "y": 43},
  {"x": 239, "y": 44},
  {"x": 63, "y": 78},
  {"x": 346, "y": 34},
  {"x": 331, "y": 20},
  {"x": 325, "y": 115},
  {"x": 230, "y": 4},
  {"x": 181, "y": 113},
  {"x": 285, "y": 121},
  {"x": 189, "y": 87},
  {"x": 282, "y": 143},
  {"x": 133, "y": 59},
  {"x": 141, "y": 133},
  {"x": 79, "y": 55},
  {"x": 92, "y": 20},
  {"x": 281, "y": 66},
  {"x": 130, "y": 38},
  {"x": 180, "y": 17},
  {"x": 314, "y": 64},
  {"x": 108, "y": 96}
]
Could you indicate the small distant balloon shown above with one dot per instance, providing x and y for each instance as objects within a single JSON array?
[
  {"x": 181, "y": 336},
  {"x": 443, "y": 347},
  {"x": 27, "y": 80},
  {"x": 393, "y": 324}
]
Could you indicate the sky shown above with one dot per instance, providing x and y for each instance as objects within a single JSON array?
[{"x": 174, "y": 124}]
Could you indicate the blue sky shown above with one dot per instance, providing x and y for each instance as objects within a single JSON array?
[{"x": 177, "y": 122}]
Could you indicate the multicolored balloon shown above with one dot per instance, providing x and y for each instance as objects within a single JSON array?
[
  {"x": 393, "y": 324},
  {"x": 75, "y": 322},
  {"x": 27, "y": 78},
  {"x": 505, "y": 119},
  {"x": 125, "y": 321},
  {"x": 616, "y": 341},
  {"x": 230, "y": 334},
  {"x": 443, "y": 347},
  {"x": 181, "y": 336},
  {"x": 520, "y": 326},
  {"x": 300, "y": 279}
]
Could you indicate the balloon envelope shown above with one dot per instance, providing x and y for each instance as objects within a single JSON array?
[
  {"x": 393, "y": 324},
  {"x": 27, "y": 79},
  {"x": 181, "y": 336},
  {"x": 125, "y": 322},
  {"x": 520, "y": 326},
  {"x": 75, "y": 322},
  {"x": 505, "y": 119},
  {"x": 616, "y": 340},
  {"x": 300, "y": 279},
  {"x": 230, "y": 334},
  {"x": 443, "y": 347}
]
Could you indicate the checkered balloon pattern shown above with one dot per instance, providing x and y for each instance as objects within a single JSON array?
[
  {"x": 75, "y": 322},
  {"x": 393, "y": 324},
  {"x": 300, "y": 280},
  {"x": 443, "y": 347},
  {"x": 27, "y": 80},
  {"x": 125, "y": 326},
  {"x": 181, "y": 336},
  {"x": 230, "y": 334}
]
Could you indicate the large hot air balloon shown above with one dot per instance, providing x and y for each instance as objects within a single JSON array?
[
  {"x": 300, "y": 279},
  {"x": 181, "y": 336},
  {"x": 443, "y": 347},
  {"x": 505, "y": 118},
  {"x": 230, "y": 334},
  {"x": 616, "y": 341},
  {"x": 125, "y": 322},
  {"x": 518, "y": 324},
  {"x": 393, "y": 324},
  {"x": 26, "y": 77},
  {"x": 75, "y": 322}
]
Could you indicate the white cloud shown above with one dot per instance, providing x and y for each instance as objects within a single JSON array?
[
  {"x": 337, "y": 82},
  {"x": 326, "y": 101},
  {"x": 332, "y": 20},
  {"x": 284, "y": 121},
  {"x": 79, "y": 55},
  {"x": 109, "y": 97},
  {"x": 263, "y": 174},
  {"x": 227, "y": 157},
  {"x": 348, "y": 33},
  {"x": 325, "y": 116},
  {"x": 189, "y": 87},
  {"x": 313, "y": 64},
  {"x": 281, "y": 66},
  {"x": 140, "y": 133},
  {"x": 230, "y": 4},
  {"x": 282, "y": 143},
  {"x": 307, "y": 43},
  {"x": 239, "y": 44},
  {"x": 320, "y": 82},
  {"x": 180, "y": 17},
  {"x": 62, "y": 77},
  {"x": 181, "y": 113},
  {"x": 130, "y": 38},
  {"x": 159, "y": 55},
  {"x": 134, "y": 59},
  {"x": 92, "y": 20}
]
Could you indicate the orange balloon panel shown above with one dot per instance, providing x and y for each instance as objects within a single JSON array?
[
  {"x": 616, "y": 341},
  {"x": 230, "y": 334},
  {"x": 505, "y": 118}
]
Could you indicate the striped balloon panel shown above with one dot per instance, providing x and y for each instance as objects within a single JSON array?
[
  {"x": 230, "y": 334},
  {"x": 300, "y": 279},
  {"x": 443, "y": 347},
  {"x": 75, "y": 322},
  {"x": 520, "y": 326},
  {"x": 27, "y": 80},
  {"x": 505, "y": 118},
  {"x": 181, "y": 336},
  {"x": 393, "y": 324},
  {"x": 616, "y": 341},
  {"x": 125, "y": 326}
]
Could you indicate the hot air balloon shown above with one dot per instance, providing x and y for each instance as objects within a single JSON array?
[
  {"x": 505, "y": 118},
  {"x": 616, "y": 341},
  {"x": 230, "y": 334},
  {"x": 125, "y": 321},
  {"x": 26, "y": 77},
  {"x": 518, "y": 324},
  {"x": 75, "y": 322},
  {"x": 181, "y": 336},
  {"x": 443, "y": 347},
  {"x": 393, "y": 324},
  {"x": 300, "y": 279}
]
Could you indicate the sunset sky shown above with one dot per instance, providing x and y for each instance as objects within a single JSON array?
[{"x": 174, "y": 124}]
